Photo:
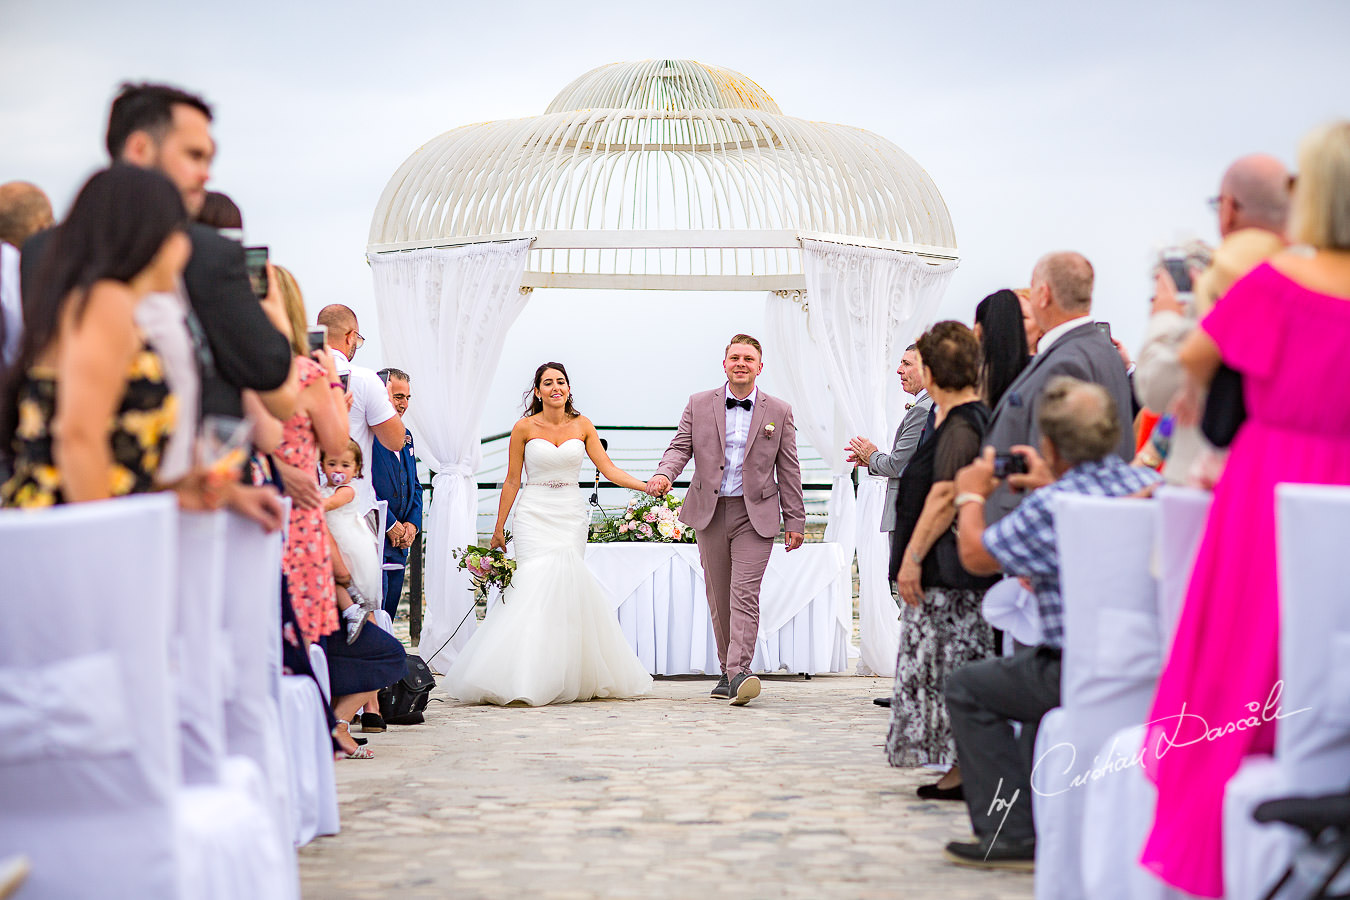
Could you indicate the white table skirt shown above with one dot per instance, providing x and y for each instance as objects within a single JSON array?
[{"x": 805, "y": 607}]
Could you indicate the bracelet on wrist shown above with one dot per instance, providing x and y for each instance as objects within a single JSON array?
[
  {"x": 338, "y": 385},
  {"x": 968, "y": 497}
]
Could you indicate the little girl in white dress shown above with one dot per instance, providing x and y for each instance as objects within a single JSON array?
[{"x": 356, "y": 551}]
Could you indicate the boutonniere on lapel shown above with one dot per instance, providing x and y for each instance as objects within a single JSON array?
[
  {"x": 768, "y": 430},
  {"x": 908, "y": 407}
]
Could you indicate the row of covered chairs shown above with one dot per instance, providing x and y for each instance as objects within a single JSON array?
[
  {"x": 1125, "y": 565},
  {"x": 153, "y": 747}
]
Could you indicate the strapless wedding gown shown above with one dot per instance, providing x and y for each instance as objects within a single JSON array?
[{"x": 554, "y": 637}]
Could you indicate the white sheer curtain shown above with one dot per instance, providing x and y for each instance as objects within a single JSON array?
[
  {"x": 795, "y": 357},
  {"x": 866, "y": 306},
  {"x": 444, "y": 314}
]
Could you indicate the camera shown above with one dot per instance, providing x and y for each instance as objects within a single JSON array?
[{"x": 1006, "y": 464}]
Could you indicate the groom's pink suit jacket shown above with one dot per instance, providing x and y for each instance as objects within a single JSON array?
[{"x": 771, "y": 476}]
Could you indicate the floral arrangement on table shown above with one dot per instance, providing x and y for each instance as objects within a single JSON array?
[
  {"x": 645, "y": 519},
  {"x": 487, "y": 567}
]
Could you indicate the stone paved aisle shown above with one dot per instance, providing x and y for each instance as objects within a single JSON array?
[{"x": 673, "y": 796}]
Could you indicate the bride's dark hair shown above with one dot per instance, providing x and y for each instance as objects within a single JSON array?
[{"x": 534, "y": 405}]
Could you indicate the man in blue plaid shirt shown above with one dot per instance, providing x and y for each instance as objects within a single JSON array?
[{"x": 1079, "y": 434}]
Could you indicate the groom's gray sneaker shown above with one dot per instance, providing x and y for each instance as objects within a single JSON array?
[
  {"x": 723, "y": 689},
  {"x": 744, "y": 688}
]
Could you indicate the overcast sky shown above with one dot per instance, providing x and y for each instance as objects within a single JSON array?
[{"x": 1089, "y": 126}]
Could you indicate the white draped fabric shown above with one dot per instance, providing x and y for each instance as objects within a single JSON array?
[
  {"x": 813, "y": 408},
  {"x": 444, "y": 314},
  {"x": 866, "y": 306}
]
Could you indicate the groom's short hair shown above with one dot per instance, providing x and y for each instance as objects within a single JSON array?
[{"x": 744, "y": 339}]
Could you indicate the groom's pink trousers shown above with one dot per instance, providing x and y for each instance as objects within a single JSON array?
[{"x": 734, "y": 558}]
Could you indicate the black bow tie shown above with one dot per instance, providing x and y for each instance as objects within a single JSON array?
[{"x": 732, "y": 403}]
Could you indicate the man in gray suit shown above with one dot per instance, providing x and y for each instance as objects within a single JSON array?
[
  {"x": 863, "y": 452},
  {"x": 1071, "y": 344}
]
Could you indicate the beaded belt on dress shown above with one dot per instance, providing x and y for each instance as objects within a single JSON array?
[{"x": 552, "y": 484}]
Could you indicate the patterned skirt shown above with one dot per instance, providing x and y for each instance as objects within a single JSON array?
[{"x": 943, "y": 634}]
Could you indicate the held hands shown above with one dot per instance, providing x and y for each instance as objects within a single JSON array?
[{"x": 658, "y": 486}]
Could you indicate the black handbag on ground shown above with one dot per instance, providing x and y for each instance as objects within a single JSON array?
[
  {"x": 1225, "y": 408},
  {"x": 403, "y": 701}
]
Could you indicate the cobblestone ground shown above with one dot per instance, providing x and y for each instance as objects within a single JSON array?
[{"x": 676, "y": 795}]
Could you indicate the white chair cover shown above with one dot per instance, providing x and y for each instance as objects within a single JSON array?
[
  {"x": 202, "y": 662},
  {"x": 89, "y": 789},
  {"x": 1312, "y": 742},
  {"x": 231, "y": 842},
  {"x": 1183, "y": 513},
  {"x": 1110, "y": 668},
  {"x": 1111, "y": 846},
  {"x": 312, "y": 787},
  {"x": 1117, "y": 818}
]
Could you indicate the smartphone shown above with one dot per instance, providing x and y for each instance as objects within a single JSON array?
[
  {"x": 1006, "y": 464},
  {"x": 1180, "y": 272},
  {"x": 1104, "y": 328},
  {"x": 255, "y": 261},
  {"x": 317, "y": 338},
  {"x": 344, "y": 378}
]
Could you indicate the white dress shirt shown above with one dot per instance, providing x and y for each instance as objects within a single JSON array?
[
  {"x": 1059, "y": 331},
  {"x": 738, "y": 435}
]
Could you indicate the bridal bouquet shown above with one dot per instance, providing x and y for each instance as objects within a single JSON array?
[
  {"x": 489, "y": 568},
  {"x": 646, "y": 518}
]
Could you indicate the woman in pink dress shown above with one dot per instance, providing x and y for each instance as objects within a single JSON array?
[
  {"x": 1286, "y": 328},
  {"x": 320, "y": 420}
]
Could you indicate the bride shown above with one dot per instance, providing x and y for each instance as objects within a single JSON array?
[{"x": 554, "y": 638}]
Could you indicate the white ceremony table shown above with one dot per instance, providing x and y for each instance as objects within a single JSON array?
[{"x": 805, "y": 607}]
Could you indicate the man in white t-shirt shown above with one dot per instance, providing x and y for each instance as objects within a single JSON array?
[{"x": 371, "y": 415}]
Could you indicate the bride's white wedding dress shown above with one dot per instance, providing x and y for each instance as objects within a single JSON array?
[{"x": 554, "y": 637}]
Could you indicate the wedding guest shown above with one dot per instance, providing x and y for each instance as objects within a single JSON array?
[
  {"x": 396, "y": 483},
  {"x": 319, "y": 422},
  {"x": 87, "y": 411},
  {"x": 370, "y": 414},
  {"x": 223, "y": 214},
  {"x": 24, "y": 211},
  {"x": 169, "y": 130},
  {"x": 1285, "y": 326},
  {"x": 1253, "y": 208},
  {"x": 1070, "y": 344},
  {"x": 891, "y": 465},
  {"x": 234, "y": 338},
  {"x": 1079, "y": 427},
  {"x": 942, "y": 628},
  {"x": 1000, "y": 329}
]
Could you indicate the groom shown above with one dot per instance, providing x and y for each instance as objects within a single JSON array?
[{"x": 740, "y": 438}]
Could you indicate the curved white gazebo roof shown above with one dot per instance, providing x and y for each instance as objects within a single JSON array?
[{"x": 663, "y": 174}]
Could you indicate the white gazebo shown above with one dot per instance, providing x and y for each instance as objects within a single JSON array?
[{"x": 671, "y": 175}]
